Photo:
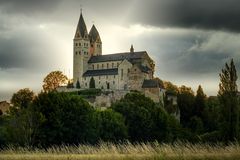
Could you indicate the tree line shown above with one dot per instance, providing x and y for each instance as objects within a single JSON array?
[{"x": 53, "y": 118}]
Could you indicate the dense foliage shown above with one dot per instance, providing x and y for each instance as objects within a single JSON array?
[{"x": 52, "y": 118}]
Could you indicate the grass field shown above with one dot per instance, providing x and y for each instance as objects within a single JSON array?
[{"x": 127, "y": 151}]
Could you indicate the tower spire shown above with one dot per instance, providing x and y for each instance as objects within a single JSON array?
[
  {"x": 81, "y": 27},
  {"x": 80, "y": 9}
]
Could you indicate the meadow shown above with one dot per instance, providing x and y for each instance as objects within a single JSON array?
[{"x": 126, "y": 151}]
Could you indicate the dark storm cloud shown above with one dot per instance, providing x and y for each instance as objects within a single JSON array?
[
  {"x": 186, "y": 53},
  {"x": 29, "y": 7},
  {"x": 207, "y": 54},
  {"x": 204, "y": 14}
]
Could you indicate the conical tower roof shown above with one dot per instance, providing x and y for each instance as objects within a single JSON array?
[
  {"x": 81, "y": 27},
  {"x": 93, "y": 34}
]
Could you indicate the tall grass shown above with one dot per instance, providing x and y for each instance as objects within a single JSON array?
[{"x": 109, "y": 151}]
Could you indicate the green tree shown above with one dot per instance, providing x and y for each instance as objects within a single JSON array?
[
  {"x": 53, "y": 80},
  {"x": 229, "y": 102},
  {"x": 3, "y": 131},
  {"x": 92, "y": 83},
  {"x": 68, "y": 119},
  {"x": 145, "y": 120},
  {"x": 22, "y": 98},
  {"x": 196, "y": 125},
  {"x": 111, "y": 125},
  {"x": 23, "y": 126},
  {"x": 78, "y": 84},
  {"x": 185, "y": 100},
  {"x": 200, "y": 103},
  {"x": 22, "y": 122},
  {"x": 211, "y": 114}
]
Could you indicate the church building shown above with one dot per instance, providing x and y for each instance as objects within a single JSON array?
[{"x": 132, "y": 70}]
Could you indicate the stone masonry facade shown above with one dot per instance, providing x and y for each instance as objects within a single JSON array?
[{"x": 125, "y": 71}]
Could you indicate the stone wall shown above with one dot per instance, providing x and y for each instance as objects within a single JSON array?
[
  {"x": 136, "y": 78},
  {"x": 123, "y": 71},
  {"x": 105, "y": 100},
  {"x": 102, "y": 82},
  {"x": 155, "y": 94}
]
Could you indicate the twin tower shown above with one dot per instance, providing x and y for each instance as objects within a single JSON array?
[{"x": 85, "y": 45}]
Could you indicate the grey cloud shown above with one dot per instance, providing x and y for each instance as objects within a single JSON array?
[
  {"x": 190, "y": 53},
  {"x": 30, "y": 50},
  {"x": 209, "y": 55},
  {"x": 29, "y": 7},
  {"x": 204, "y": 14}
]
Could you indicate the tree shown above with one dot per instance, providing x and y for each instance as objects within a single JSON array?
[
  {"x": 228, "y": 97},
  {"x": 22, "y": 98},
  {"x": 111, "y": 125},
  {"x": 160, "y": 82},
  {"x": 196, "y": 125},
  {"x": 78, "y": 84},
  {"x": 54, "y": 80},
  {"x": 92, "y": 83},
  {"x": 145, "y": 120},
  {"x": 70, "y": 84},
  {"x": 23, "y": 126},
  {"x": 211, "y": 114},
  {"x": 185, "y": 100},
  {"x": 170, "y": 88},
  {"x": 136, "y": 109},
  {"x": 3, "y": 132},
  {"x": 68, "y": 119},
  {"x": 200, "y": 103}
]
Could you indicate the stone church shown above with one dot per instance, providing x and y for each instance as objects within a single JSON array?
[{"x": 126, "y": 71}]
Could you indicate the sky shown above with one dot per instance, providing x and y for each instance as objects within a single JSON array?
[{"x": 189, "y": 40}]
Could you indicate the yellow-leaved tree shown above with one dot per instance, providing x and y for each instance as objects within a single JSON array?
[{"x": 53, "y": 80}]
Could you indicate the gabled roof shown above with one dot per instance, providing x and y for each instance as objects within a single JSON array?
[
  {"x": 101, "y": 72},
  {"x": 117, "y": 57},
  {"x": 82, "y": 26},
  {"x": 150, "y": 83},
  {"x": 93, "y": 34}
]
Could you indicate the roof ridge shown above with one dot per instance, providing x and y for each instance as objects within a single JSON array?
[
  {"x": 120, "y": 53},
  {"x": 117, "y": 57}
]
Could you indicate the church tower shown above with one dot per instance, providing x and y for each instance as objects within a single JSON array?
[
  {"x": 95, "y": 42},
  {"x": 81, "y": 51}
]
